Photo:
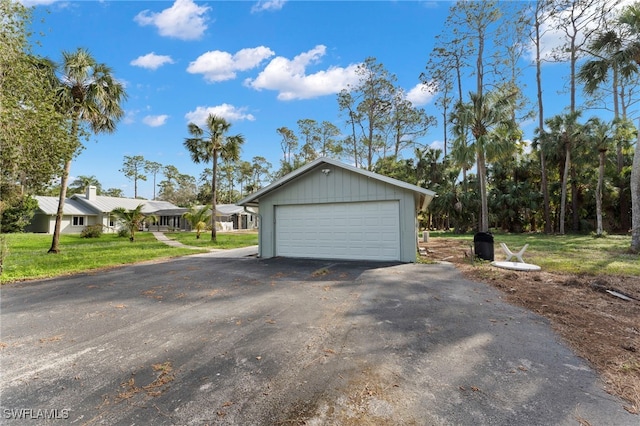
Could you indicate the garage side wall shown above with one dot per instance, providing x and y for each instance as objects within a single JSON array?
[{"x": 339, "y": 185}]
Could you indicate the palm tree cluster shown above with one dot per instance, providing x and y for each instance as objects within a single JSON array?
[{"x": 583, "y": 172}]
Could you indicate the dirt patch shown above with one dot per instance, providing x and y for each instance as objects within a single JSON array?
[
  {"x": 370, "y": 398},
  {"x": 163, "y": 377},
  {"x": 599, "y": 326}
]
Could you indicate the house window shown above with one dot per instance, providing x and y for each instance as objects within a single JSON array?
[{"x": 78, "y": 221}]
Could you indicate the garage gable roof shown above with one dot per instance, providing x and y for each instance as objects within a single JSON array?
[{"x": 252, "y": 200}]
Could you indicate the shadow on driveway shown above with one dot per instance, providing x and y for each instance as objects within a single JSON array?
[{"x": 211, "y": 340}]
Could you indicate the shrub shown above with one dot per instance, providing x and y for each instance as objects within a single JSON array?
[
  {"x": 92, "y": 231},
  {"x": 124, "y": 233},
  {"x": 16, "y": 217}
]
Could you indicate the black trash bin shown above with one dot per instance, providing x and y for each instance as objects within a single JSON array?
[{"x": 483, "y": 245}]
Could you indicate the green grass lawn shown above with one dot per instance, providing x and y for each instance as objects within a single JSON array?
[
  {"x": 227, "y": 240},
  {"x": 27, "y": 256},
  {"x": 566, "y": 253}
]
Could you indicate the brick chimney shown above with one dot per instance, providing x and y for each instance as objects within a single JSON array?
[{"x": 91, "y": 192}]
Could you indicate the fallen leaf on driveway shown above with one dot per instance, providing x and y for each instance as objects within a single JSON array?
[{"x": 51, "y": 339}]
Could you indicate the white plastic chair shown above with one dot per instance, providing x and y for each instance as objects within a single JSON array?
[{"x": 511, "y": 255}]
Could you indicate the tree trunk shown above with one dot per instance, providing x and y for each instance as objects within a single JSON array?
[
  {"x": 545, "y": 193},
  {"x": 575, "y": 202},
  {"x": 543, "y": 161},
  {"x": 625, "y": 208},
  {"x": 482, "y": 180},
  {"x": 563, "y": 196},
  {"x": 616, "y": 116},
  {"x": 618, "y": 105},
  {"x": 213, "y": 196},
  {"x": 599, "y": 195},
  {"x": 355, "y": 139},
  {"x": 445, "y": 130},
  {"x": 370, "y": 148},
  {"x": 635, "y": 199},
  {"x": 63, "y": 195}
]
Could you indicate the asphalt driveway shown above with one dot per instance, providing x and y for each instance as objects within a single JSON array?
[{"x": 206, "y": 340}]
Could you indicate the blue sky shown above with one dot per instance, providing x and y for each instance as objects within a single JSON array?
[{"x": 261, "y": 65}]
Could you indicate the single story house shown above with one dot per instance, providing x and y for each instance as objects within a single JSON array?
[
  {"x": 330, "y": 210},
  {"x": 76, "y": 216},
  {"x": 234, "y": 217},
  {"x": 82, "y": 210}
]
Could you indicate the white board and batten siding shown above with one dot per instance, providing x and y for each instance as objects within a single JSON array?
[{"x": 339, "y": 215}]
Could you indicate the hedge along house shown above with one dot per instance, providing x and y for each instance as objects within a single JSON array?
[{"x": 330, "y": 210}]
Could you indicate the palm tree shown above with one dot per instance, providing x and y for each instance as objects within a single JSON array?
[
  {"x": 198, "y": 218},
  {"x": 132, "y": 219},
  {"x": 209, "y": 144},
  {"x": 600, "y": 134},
  {"x": 89, "y": 95},
  {"x": 82, "y": 182},
  {"x": 489, "y": 119},
  {"x": 564, "y": 129},
  {"x": 620, "y": 52}
]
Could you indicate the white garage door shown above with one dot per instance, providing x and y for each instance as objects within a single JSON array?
[{"x": 365, "y": 231}]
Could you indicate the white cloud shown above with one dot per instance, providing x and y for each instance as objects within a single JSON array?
[
  {"x": 155, "y": 120},
  {"x": 29, "y": 3},
  {"x": 419, "y": 95},
  {"x": 437, "y": 144},
  {"x": 130, "y": 116},
  {"x": 289, "y": 79},
  {"x": 220, "y": 66},
  {"x": 151, "y": 61},
  {"x": 184, "y": 20},
  {"x": 267, "y": 5},
  {"x": 226, "y": 111}
]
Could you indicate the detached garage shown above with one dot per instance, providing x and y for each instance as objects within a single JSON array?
[{"x": 330, "y": 210}]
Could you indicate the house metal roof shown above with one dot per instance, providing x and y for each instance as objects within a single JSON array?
[
  {"x": 253, "y": 200},
  {"x": 224, "y": 209},
  {"x": 228, "y": 209},
  {"x": 107, "y": 204},
  {"x": 49, "y": 205}
]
